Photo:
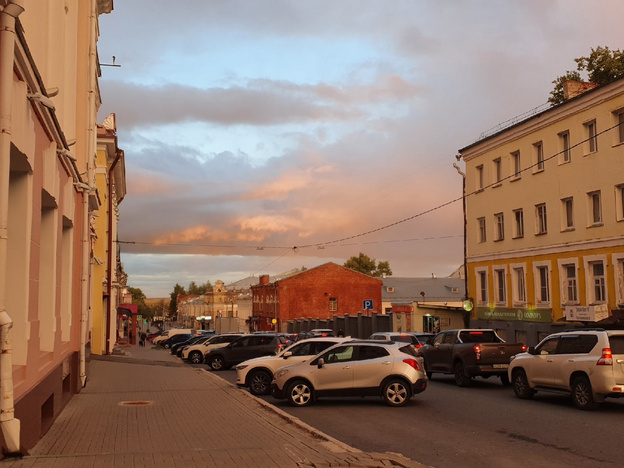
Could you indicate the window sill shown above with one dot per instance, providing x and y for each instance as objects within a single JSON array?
[
  {"x": 590, "y": 153},
  {"x": 497, "y": 184},
  {"x": 499, "y": 240},
  {"x": 518, "y": 237},
  {"x": 520, "y": 305},
  {"x": 515, "y": 178},
  {"x": 595, "y": 225},
  {"x": 569, "y": 229},
  {"x": 564, "y": 162},
  {"x": 537, "y": 171},
  {"x": 541, "y": 233}
]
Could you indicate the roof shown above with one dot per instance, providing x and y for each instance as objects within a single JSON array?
[
  {"x": 434, "y": 289},
  {"x": 331, "y": 265}
]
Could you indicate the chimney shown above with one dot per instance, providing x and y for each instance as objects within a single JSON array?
[
  {"x": 264, "y": 279},
  {"x": 575, "y": 88}
]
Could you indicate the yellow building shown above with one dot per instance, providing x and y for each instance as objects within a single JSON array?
[
  {"x": 49, "y": 98},
  {"x": 545, "y": 218}
]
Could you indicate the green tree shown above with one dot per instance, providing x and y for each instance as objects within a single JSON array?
[
  {"x": 602, "y": 66},
  {"x": 138, "y": 298},
  {"x": 364, "y": 264},
  {"x": 173, "y": 304}
]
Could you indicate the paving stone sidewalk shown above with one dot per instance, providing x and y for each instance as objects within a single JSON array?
[{"x": 143, "y": 407}]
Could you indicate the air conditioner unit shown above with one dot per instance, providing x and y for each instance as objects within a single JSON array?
[
  {"x": 390, "y": 289},
  {"x": 455, "y": 290}
]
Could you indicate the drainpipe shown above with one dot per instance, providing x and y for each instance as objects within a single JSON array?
[
  {"x": 8, "y": 424},
  {"x": 109, "y": 283}
]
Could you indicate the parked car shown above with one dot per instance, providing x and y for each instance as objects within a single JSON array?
[
  {"x": 468, "y": 353},
  {"x": 243, "y": 348},
  {"x": 586, "y": 364},
  {"x": 196, "y": 353},
  {"x": 169, "y": 333},
  {"x": 389, "y": 369},
  {"x": 423, "y": 338},
  {"x": 257, "y": 373},
  {"x": 153, "y": 335},
  {"x": 194, "y": 339},
  {"x": 178, "y": 338},
  {"x": 322, "y": 332},
  {"x": 407, "y": 337}
]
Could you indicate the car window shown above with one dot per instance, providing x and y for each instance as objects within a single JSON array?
[
  {"x": 547, "y": 347},
  {"x": 438, "y": 339},
  {"x": 409, "y": 349},
  {"x": 617, "y": 344},
  {"x": 301, "y": 349},
  {"x": 576, "y": 344},
  {"x": 478, "y": 336},
  {"x": 449, "y": 338},
  {"x": 371, "y": 352},
  {"x": 241, "y": 342},
  {"x": 320, "y": 346},
  {"x": 339, "y": 354}
]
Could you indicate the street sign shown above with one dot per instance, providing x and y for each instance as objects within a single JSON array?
[{"x": 368, "y": 304}]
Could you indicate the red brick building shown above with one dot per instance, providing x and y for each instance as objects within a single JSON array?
[{"x": 321, "y": 292}]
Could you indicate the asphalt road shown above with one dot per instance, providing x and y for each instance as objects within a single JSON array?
[{"x": 481, "y": 426}]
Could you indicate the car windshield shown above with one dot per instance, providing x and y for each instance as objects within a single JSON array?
[{"x": 478, "y": 336}]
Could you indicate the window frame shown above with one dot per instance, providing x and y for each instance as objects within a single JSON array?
[
  {"x": 569, "y": 283},
  {"x": 538, "y": 149},
  {"x": 518, "y": 223},
  {"x": 333, "y": 304},
  {"x": 480, "y": 177},
  {"x": 591, "y": 130},
  {"x": 482, "y": 230},
  {"x": 498, "y": 171},
  {"x": 592, "y": 281},
  {"x": 594, "y": 209},
  {"x": 566, "y": 151},
  {"x": 481, "y": 274},
  {"x": 541, "y": 219},
  {"x": 543, "y": 292},
  {"x": 516, "y": 165},
  {"x": 500, "y": 227},
  {"x": 500, "y": 285},
  {"x": 567, "y": 214},
  {"x": 518, "y": 285}
]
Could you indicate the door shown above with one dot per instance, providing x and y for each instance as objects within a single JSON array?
[
  {"x": 372, "y": 365},
  {"x": 541, "y": 368},
  {"x": 337, "y": 371}
]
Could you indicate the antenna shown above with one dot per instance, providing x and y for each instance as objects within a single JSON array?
[{"x": 110, "y": 64}]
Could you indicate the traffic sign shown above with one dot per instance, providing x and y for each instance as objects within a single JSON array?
[{"x": 368, "y": 304}]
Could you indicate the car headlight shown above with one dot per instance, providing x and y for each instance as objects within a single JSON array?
[
  {"x": 280, "y": 373},
  {"x": 241, "y": 367}
]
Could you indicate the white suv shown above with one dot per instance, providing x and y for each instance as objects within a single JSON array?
[
  {"x": 387, "y": 369},
  {"x": 257, "y": 373},
  {"x": 587, "y": 364}
]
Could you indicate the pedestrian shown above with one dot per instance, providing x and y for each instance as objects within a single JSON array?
[
  {"x": 340, "y": 332},
  {"x": 130, "y": 337},
  {"x": 143, "y": 338}
]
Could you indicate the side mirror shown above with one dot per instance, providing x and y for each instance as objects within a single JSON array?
[
  {"x": 287, "y": 354},
  {"x": 320, "y": 363}
]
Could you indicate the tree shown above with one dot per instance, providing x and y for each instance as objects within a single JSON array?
[
  {"x": 173, "y": 304},
  {"x": 364, "y": 264},
  {"x": 138, "y": 298},
  {"x": 602, "y": 66}
]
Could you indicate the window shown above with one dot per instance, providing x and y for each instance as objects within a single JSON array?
[
  {"x": 570, "y": 287},
  {"x": 500, "y": 226},
  {"x": 619, "y": 202},
  {"x": 591, "y": 135},
  {"x": 538, "y": 149},
  {"x": 519, "y": 223},
  {"x": 564, "y": 140},
  {"x": 567, "y": 217},
  {"x": 619, "y": 280},
  {"x": 482, "y": 291},
  {"x": 517, "y": 167},
  {"x": 333, "y": 304},
  {"x": 497, "y": 170},
  {"x": 518, "y": 286},
  {"x": 597, "y": 278},
  {"x": 479, "y": 177},
  {"x": 619, "y": 119},
  {"x": 482, "y": 232},
  {"x": 540, "y": 213},
  {"x": 501, "y": 288},
  {"x": 542, "y": 285},
  {"x": 595, "y": 208}
]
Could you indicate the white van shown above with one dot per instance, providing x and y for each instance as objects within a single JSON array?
[{"x": 169, "y": 333}]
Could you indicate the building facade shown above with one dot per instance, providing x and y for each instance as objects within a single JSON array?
[
  {"x": 322, "y": 292},
  {"x": 49, "y": 98},
  {"x": 545, "y": 218}
]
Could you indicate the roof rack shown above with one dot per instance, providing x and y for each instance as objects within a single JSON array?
[{"x": 575, "y": 330}]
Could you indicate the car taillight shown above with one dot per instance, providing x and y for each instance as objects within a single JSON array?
[
  {"x": 524, "y": 348},
  {"x": 419, "y": 345},
  {"x": 606, "y": 359},
  {"x": 412, "y": 362},
  {"x": 477, "y": 350}
]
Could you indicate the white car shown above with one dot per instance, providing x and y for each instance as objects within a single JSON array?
[
  {"x": 389, "y": 369},
  {"x": 195, "y": 353},
  {"x": 257, "y": 373},
  {"x": 586, "y": 364}
]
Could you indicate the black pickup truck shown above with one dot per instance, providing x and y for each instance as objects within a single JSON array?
[{"x": 468, "y": 353}]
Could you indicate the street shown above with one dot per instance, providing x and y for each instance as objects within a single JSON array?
[{"x": 481, "y": 426}]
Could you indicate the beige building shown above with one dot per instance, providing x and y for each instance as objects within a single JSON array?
[
  {"x": 49, "y": 98},
  {"x": 545, "y": 217}
]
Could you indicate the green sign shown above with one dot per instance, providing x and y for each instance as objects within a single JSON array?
[{"x": 516, "y": 315}]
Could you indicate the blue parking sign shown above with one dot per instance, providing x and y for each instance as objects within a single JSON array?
[{"x": 368, "y": 304}]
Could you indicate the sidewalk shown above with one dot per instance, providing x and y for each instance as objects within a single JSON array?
[{"x": 145, "y": 408}]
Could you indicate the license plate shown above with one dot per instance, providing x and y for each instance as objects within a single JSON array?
[{"x": 500, "y": 366}]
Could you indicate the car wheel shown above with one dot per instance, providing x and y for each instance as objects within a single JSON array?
[
  {"x": 582, "y": 394},
  {"x": 505, "y": 380},
  {"x": 396, "y": 393},
  {"x": 521, "y": 385},
  {"x": 260, "y": 382},
  {"x": 299, "y": 393},
  {"x": 461, "y": 377},
  {"x": 216, "y": 363},
  {"x": 196, "y": 357}
]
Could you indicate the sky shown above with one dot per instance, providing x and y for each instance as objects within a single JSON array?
[{"x": 266, "y": 135}]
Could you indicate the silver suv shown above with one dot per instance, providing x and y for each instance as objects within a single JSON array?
[
  {"x": 587, "y": 364},
  {"x": 388, "y": 369}
]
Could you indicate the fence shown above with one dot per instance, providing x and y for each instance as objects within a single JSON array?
[{"x": 357, "y": 326}]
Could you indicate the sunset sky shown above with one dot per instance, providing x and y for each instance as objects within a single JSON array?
[{"x": 254, "y": 127}]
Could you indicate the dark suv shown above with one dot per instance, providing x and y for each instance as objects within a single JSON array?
[{"x": 243, "y": 348}]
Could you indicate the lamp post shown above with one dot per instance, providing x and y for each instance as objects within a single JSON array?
[{"x": 467, "y": 302}]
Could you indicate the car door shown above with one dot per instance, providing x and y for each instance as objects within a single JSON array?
[
  {"x": 571, "y": 356},
  {"x": 440, "y": 352},
  {"x": 541, "y": 367},
  {"x": 336, "y": 374},
  {"x": 371, "y": 366}
]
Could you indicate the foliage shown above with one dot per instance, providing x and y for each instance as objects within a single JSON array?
[
  {"x": 369, "y": 266},
  {"x": 198, "y": 290},
  {"x": 173, "y": 303},
  {"x": 602, "y": 66},
  {"x": 138, "y": 298}
]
